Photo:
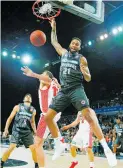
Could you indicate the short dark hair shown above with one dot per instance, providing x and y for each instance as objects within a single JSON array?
[
  {"x": 76, "y": 38},
  {"x": 28, "y": 94},
  {"x": 49, "y": 74}
]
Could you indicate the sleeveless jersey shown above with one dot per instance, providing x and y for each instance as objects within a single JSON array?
[
  {"x": 45, "y": 96},
  {"x": 70, "y": 73},
  {"x": 84, "y": 125},
  {"x": 22, "y": 118}
]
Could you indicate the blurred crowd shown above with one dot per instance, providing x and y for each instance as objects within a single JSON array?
[
  {"x": 114, "y": 98},
  {"x": 112, "y": 127}
]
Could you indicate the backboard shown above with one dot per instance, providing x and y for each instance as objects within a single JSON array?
[{"x": 90, "y": 10}]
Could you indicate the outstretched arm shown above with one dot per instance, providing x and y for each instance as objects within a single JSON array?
[
  {"x": 28, "y": 72},
  {"x": 9, "y": 120},
  {"x": 54, "y": 40},
  {"x": 73, "y": 124},
  {"x": 84, "y": 69}
]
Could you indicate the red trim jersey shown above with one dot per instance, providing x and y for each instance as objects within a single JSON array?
[
  {"x": 45, "y": 96},
  {"x": 84, "y": 125}
]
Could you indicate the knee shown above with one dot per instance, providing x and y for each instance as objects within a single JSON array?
[
  {"x": 49, "y": 116},
  {"x": 37, "y": 145},
  {"x": 32, "y": 147},
  {"x": 89, "y": 115},
  {"x": 89, "y": 150},
  {"x": 11, "y": 148},
  {"x": 46, "y": 117},
  {"x": 38, "y": 142}
]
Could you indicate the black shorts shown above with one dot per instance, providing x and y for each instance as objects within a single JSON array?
[
  {"x": 64, "y": 98},
  {"x": 26, "y": 138}
]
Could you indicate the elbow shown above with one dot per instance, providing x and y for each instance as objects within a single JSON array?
[
  {"x": 53, "y": 42},
  {"x": 89, "y": 79},
  {"x": 9, "y": 120}
]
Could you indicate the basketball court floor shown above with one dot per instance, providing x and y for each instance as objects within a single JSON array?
[{"x": 21, "y": 158}]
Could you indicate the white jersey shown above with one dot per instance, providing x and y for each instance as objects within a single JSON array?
[
  {"x": 83, "y": 137},
  {"x": 45, "y": 96},
  {"x": 84, "y": 125}
]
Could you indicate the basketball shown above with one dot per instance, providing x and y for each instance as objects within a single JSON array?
[{"x": 38, "y": 38}]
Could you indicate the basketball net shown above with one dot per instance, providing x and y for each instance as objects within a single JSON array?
[{"x": 45, "y": 10}]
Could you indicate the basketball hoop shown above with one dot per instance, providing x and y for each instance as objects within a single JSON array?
[{"x": 45, "y": 10}]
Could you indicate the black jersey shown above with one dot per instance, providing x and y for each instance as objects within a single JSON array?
[
  {"x": 70, "y": 73},
  {"x": 22, "y": 118}
]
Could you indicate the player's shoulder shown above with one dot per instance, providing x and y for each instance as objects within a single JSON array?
[
  {"x": 83, "y": 60},
  {"x": 32, "y": 109},
  {"x": 83, "y": 57},
  {"x": 21, "y": 106},
  {"x": 16, "y": 107},
  {"x": 64, "y": 52}
]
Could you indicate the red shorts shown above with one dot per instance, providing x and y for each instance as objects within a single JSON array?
[{"x": 42, "y": 129}]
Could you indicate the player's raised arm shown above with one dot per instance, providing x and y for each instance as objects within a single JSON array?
[
  {"x": 54, "y": 41},
  {"x": 28, "y": 72}
]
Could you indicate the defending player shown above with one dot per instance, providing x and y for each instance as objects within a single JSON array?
[{"x": 82, "y": 139}]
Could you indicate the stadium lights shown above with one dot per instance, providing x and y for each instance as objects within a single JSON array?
[
  {"x": 101, "y": 37},
  {"x": 105, "y": 35},
  {"x": 89, "y": 43},
  {"x": 4, "y": 53},
  {"x": 115, "y": 31},
  {"x": 26, "y": 59},
  {"x": 14, "y": 56},
  {"x": 120, "y": 29},
  {"x": 18, "y": 57}
]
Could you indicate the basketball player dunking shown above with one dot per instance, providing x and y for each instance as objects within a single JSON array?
[
  {"x": 82, "y": 139},
  {"x": 24, "y": 122},
  {"x": 74, "y": 68}
]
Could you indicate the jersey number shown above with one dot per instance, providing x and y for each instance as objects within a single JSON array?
[{"x": 66, "y": 71}]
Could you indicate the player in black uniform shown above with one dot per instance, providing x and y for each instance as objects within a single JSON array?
[
  {"x": 74, "y": 68},
  {"x": 23, "y": 128}
]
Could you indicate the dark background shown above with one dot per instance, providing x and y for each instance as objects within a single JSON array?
[{"x": 105, "y": 58}]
